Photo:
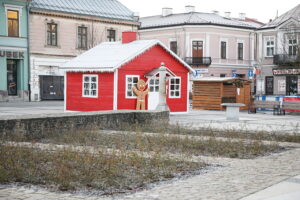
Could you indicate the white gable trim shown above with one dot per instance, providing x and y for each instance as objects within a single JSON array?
[{"x": 290, "y": 20}]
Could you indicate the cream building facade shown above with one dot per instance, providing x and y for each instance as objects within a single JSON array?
[{"x": 60, "y": 32}]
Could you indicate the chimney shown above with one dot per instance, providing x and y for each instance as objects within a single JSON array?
[
  {"x": 215, "y": 12},
  {"x": 136, "y": 16},
  {"x": 242, "y": 16},
  {"x": 128, "y": 36},
  {"x": 189, "y": 9},
  {"x": 227, "y": 15},
  {"x": 167, "y": 11}
]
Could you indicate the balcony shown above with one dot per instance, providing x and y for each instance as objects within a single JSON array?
[
  {"x": 198, "y": 60},
  {"x": 285, "y": 59}
]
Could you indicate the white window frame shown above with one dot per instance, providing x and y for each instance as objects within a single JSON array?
[
  {"x": 97, "y": 85},
  {"x": 15, "y": 8},
  {"x": 126, "y": 89},
  {"x": 293, "y": 45},
  {"x": 220, "y": 50},
  {"x": 175, "y": 97},
  {"x": 267, "y": 39}
]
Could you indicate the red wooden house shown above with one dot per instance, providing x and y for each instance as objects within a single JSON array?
[{"x": 103, "y": 77}]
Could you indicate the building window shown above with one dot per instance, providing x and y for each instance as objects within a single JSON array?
[
  {"x": 293, "y": 47},
  {"x": 291, "y": 85},
  {"x": 223, "y": 50},
  {"x": 111, "y": 35},
  {"x": 222, "y": 75},
  {"x": 197, "y": 48},
  {"x": 12, "y": 77},
  {"x": 154, "y": 84},
  {"x": 173, "y": 46},
  {"x": 131, "y": 81},
  {"x": 52, "y": 34},
  {"x": 240, "y": 51},
  {"x": 90, "y": 85},
  {"x": 13, "y": 23},
  {"x": 174, "y": 87},
  {"x": 82, "y": 37},
  {"x": 270, "y": 45}
]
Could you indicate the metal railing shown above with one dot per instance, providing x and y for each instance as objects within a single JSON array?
[
  {"x": 285, "y": 59},
  {"x": 198, "y": 60}
]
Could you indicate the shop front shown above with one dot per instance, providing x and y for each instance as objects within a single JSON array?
[
  {"x": 13, "y": 75},
  {"x": 286, "y": 81}
]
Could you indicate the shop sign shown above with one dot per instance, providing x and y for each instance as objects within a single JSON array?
[
  {"x": 12, "y": 54},
  {"x": 286, "y": 71},
  {"x": 199, "y": 72}
]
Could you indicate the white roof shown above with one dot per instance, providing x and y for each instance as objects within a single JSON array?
[
  {"x": 194, "y": 18},
  {"x": 108, "y": 56}
]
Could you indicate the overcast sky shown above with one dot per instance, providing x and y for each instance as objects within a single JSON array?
[{"x": 262, "y": 10}]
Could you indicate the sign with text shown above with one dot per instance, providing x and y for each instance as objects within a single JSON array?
[
  {"x": 12, "y": 54},
  {"x": 286, "y": 71}
]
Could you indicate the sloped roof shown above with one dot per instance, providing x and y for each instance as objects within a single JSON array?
[
  {"x": 108, "y": 56},
  {"x": 101, "y": 8},
  {"x": 194, "y": 18},
  {"x": 293, "y": 13}
]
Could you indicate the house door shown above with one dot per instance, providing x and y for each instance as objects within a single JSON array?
[
  {"x": 12, "y": 77},
  {"x": 153, "y": 94},
  {"x": 197, "y": 51},
  {"x": 269, "y": 85},
  {"x": 52, "y": 87},
  {"x": 197, "y": 48}
]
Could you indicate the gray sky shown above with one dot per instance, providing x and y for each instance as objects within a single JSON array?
[{"x": 262, "y": 10}]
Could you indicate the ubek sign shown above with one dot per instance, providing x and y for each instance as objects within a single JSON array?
[
  {"x": 12, "y": 54},
  {"x": 286, "y": 71}
]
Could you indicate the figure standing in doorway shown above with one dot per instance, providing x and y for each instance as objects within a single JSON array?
[{"x": 141, "y": 94}]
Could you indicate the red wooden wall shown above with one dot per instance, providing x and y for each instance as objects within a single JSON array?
[
  {"x": 76, "y": 102},
  {"x": 144, "y": 63}
]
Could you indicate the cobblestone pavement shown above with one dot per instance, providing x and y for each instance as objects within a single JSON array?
[
  {"x": 234, "y": 180},
  {"x": 262, "y": 121}
]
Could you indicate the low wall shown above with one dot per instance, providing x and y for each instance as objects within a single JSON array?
[{"x": 40, "y": 126}]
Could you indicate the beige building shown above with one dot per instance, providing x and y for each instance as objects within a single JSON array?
[
  {"x": 214, "y": 45},
  {"x": 278, "y": 55},
  {"x": 60, "y": 31}
]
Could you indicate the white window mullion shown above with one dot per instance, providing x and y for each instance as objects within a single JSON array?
[{"x": 88, "y": 81}]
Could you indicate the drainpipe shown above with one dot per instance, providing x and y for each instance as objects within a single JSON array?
[{"x": 28, "y": 51}]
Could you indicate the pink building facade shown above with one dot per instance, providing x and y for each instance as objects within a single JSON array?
[{"x": 213, "y": 45}]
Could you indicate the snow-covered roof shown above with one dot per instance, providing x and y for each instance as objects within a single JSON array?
[
  {"x": 293, "y": 13},
  {"x": 108, "y": 56},
  {"x": 101, "y": 8},
  {"x": 194, "y": 18}
]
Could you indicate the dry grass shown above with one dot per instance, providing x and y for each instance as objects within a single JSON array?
[
  {"x": 252, "y": 135},
  {"x": 69, "y": 170}
]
